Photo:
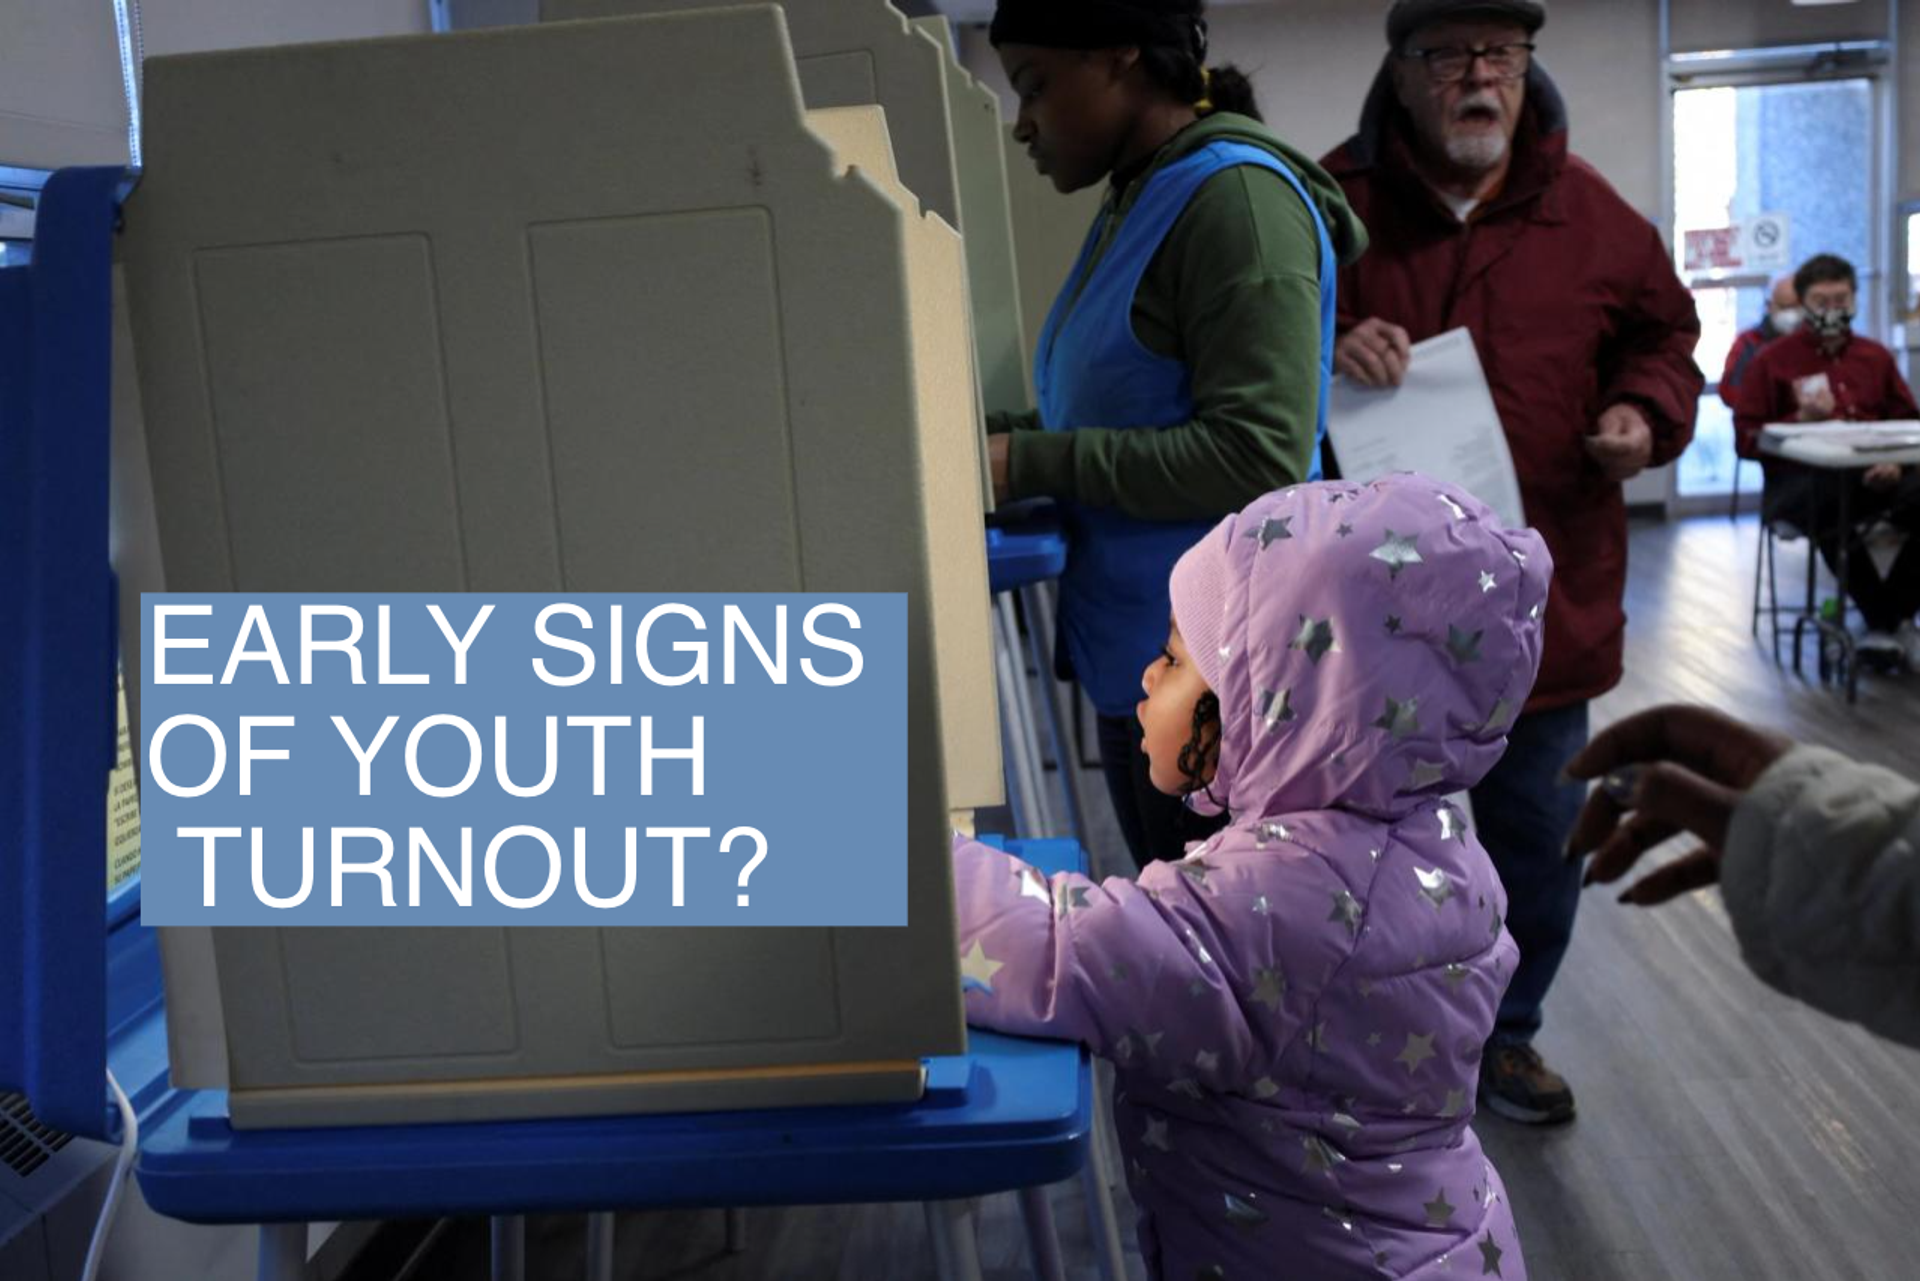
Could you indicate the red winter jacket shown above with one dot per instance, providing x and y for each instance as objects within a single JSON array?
[{"x": 1574, "y": 305}]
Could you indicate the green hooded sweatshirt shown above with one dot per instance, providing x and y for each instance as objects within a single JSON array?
[{"x": 1233, "y": 294}]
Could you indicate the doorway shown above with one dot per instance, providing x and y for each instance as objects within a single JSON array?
[{"x": 1801, "y": 155}]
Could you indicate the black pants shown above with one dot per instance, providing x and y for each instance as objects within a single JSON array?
[
  {"x": 1798, "y": 496},
  {"x": 1156, "y": 826}
]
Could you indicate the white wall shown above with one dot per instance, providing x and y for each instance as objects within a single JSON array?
[{"x": 61, "y": 101}]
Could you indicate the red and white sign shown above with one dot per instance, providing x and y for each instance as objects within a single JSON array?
[{"x": 1757, "y": 244}]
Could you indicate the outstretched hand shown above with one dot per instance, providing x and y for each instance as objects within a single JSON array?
[{"x": 1666, "y": 771}]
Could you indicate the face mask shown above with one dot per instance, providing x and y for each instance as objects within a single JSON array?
[
  {"x": 1837, "y": 323},
  {"x": 1785, "y": 321}
]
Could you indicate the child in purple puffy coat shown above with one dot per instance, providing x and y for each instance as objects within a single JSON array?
[{"x": 1295, "y": 1011}]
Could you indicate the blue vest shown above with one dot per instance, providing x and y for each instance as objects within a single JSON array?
[{"x": 1091, "y": 371}]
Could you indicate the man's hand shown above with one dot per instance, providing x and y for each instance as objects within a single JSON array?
[
  {"x": 1816, "y": 403},
  {"x": 1882, "y": 476},
  {"x": 998, "y": 451},
  {"x": 1666, "y": 771},
  {"x": 1374, "y": 353},
  {"x": 1622, "y": 443}
]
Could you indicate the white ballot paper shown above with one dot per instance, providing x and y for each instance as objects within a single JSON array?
[{"x": 1440, "y": 422}]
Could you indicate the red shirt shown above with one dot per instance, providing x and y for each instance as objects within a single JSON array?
[
  {"x": 1739, "y": 360},
  {"x": 1866, "y": 384}
]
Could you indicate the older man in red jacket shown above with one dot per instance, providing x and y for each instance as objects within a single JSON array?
[{"x": 1481, "y": 218}]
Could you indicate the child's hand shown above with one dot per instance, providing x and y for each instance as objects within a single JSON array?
[{"x": 1666, "y": 771}]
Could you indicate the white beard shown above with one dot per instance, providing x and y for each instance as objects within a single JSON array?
[{"x": 1477, "y": 152}]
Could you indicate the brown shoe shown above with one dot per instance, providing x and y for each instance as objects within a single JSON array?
[{"x": 1516, "y": 1083}]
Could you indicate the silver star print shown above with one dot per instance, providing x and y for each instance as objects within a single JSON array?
[
  {"x": 1261, "y": 907},
  {"x": 1456, "y": 1103},
  {"x": 1207, "y": 1061},
  {"x": 1123, "y": 1049},
  {"x": 1394, "y": 625},
  {"x": 1265, "y": 1088},
  {"x": 1487, "y": 582},
  {"x": 1464, "y": 645},
  {"x": 1346, "y": 1122},
  {"x": 1196, "y": 989},
  {"x": 1321, "y": 1156},
  {"x": 1344, "y": 530},
  {"x": 1439, "y": 1210},
  {"x": 1457, "y": 974},
  {"x": 1269, "y": 832},
  {"x": 1533, "y": 615},
  {"x": 1153, "y": 1041},
  {"x": 1317, "y": 1038},
  {"x": 1401, "y": 718},
  {"x": 1346, "y": 910},
  {"x": 1226, "y": 652},
  {"x": 1199, "y": 949},
  {"x": 1435, "y": 885},
  {"x": 1502, "y": 716},
  {"x": 1490, "y": 1257},
  {"x": 1186, "y": 1089},
  {"x": 1459, "y": 512},
  {"x": 1452, "y": 826},
  {"x": 1373, "y": 1039},
  {"x": 1275, "y": 708},
  {"x": 1344, "y": 1220},
  {"x": 1519, "y": 557},
  {"x": 977, "y": 968},
  {"x": 1425, "y": 774},
  {"x": 1156, "y": 1135},
  {"x": 1196, "y": 870},
  {"x": 1365, "y": 988},
  {"x": 1118, "y": 972},
  {"x": 1418, "y": 1050},
  {"x": 1034, "y": 885},
  {"x": 1243, "y": 1214},
  {"x": 1316, "y": 638},
  {"x": 1073, "y": 898},
  {"x": 1269, "y": 988},
  {"x": 1396, "y": 554},
  {"x": 1274, "y": 529},
  {"x": 1213, "y": 1272}
]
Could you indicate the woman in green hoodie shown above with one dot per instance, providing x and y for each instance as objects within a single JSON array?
[{"x": 1183, "y": 372}]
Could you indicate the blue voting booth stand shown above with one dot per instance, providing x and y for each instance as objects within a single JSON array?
[{"x": 80, "y": 985}]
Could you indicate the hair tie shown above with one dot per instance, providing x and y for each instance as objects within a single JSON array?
[{"x": 1205, "y": 105}]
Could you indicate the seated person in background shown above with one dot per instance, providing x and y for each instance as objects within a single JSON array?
[
  {"x": 1818, "y": 856},
  {"x": 1826, "y": 372},
  {"x": 1782, "y": 318},
  {"x": 1296, "y": 1013}
]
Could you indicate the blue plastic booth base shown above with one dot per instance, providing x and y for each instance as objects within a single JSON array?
[
  {"x": 1019, "y": 558},
  {"x": 1011, "y": 1113}
]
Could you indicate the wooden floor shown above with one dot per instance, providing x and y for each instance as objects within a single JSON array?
[{"x": 1724, "y": 1132}]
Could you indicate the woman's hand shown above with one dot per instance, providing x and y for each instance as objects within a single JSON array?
[{"x": 1670, "y": 770}]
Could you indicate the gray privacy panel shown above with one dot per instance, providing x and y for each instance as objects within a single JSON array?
[
  {"x": 628, "y": 366},
  {"x": 361, "y": 277},
  {"x": 993, "y": 275},
  {"x": 366, "y": 303},
  {"x": 851, "y": 53},
  {"x": 958, "y": 481}
]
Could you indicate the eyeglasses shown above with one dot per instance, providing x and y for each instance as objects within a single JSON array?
[{"x": 1451, "y": 63}]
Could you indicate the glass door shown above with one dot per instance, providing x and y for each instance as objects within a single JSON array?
[{"x": 1800, "y": 154}]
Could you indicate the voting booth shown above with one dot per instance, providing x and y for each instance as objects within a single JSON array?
[
  {"x": 632, "y": 326},
  {"x": 945, "y": 127}
]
